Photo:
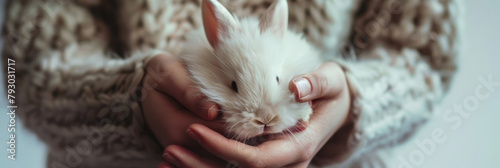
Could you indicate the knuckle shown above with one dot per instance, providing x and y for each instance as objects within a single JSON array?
[
  {"x": 254, "y": 161},
  {"x": 162, "y": 62},
  {"x": 191, "y": 97},
  {"x": 320, "y": 83},
  {"x": 303, "y": 157},
  {"x": 187, "y": 96},
  {"x": 162, "y": 69},
  {"x": 307, "y": 154}
]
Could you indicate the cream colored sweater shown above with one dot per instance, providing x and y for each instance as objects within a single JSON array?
[{"x": 80, "y": 64}]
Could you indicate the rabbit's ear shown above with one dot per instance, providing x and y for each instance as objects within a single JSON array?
[
  {"x": 216, "y": 21},
  {"x": 275, "y": 18}
]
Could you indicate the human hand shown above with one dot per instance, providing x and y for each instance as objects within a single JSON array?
[
  {"x": 172, "y": 102},
  {"x": 326, "y": 88}
]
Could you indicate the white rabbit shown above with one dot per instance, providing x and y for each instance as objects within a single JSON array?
[{"x": 246, "y": 65}]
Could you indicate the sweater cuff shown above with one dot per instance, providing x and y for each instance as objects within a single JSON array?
[{"x": 346, "y": 140}]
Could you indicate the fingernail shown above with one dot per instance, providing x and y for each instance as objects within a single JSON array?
[
  {"x": 170, "y": 159},
  {"x": 303, "y": 87},
  {"x": 193, "y": 135},
  {"x": 213, "y": 111},
  {"x": 209, "y": 109}
]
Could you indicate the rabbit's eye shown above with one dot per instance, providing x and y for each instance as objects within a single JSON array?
[
  {"x": 278, "y": 79},
  {"x": 234, "y": 86}
]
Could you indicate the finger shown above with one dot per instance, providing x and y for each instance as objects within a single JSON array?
[
  {"x": 324, "y": 82},
  {"x": 161, "y": 107},
  {"x": 276, "y": 153},
  {"x": 182, "y": 157},
  {"x": 165, "y": 73},
  {"x": 165, "y": 165},
  {"x": 220, "y": 146}
]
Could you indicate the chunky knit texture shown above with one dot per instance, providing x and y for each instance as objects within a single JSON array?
[{"x": 80, "y": 63}]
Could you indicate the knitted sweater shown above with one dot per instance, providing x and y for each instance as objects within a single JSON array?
[{"x": 80, "y": 63}]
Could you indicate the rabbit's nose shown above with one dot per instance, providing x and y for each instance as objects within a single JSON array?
[{"x": 267, "y": 121}]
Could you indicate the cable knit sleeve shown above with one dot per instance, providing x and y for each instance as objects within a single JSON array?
[
  {"x": 72, "y": 92},
  {"x": 398, "y": 67}
]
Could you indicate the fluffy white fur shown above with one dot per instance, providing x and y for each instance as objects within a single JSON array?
[{"x": 253, "y": 57}]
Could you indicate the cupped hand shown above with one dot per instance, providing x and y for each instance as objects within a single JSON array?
[
  {"x": 326, "y": 88},
  {"x": 172, "y": 102}
]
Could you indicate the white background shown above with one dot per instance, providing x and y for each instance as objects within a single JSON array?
[{"x": 475, "y": 143}]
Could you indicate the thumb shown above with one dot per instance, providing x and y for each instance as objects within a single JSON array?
[{"x": 325, "y": 82}]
